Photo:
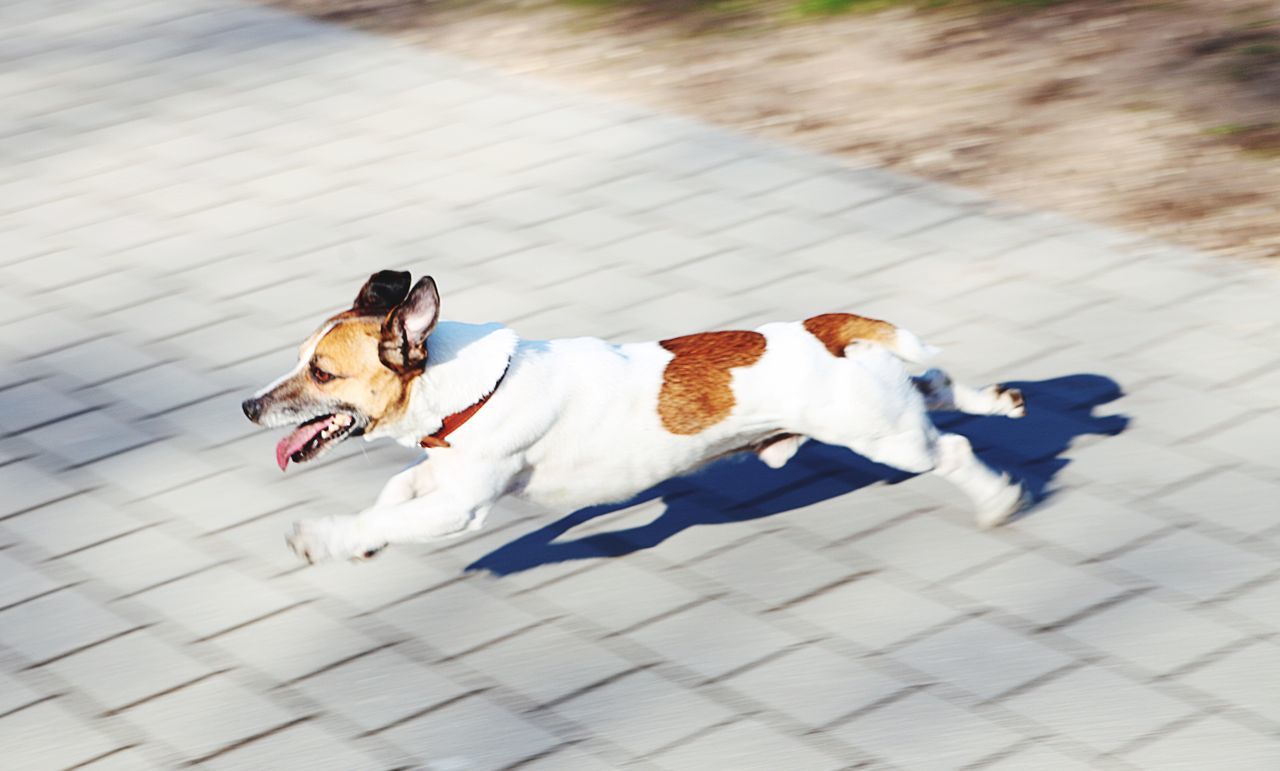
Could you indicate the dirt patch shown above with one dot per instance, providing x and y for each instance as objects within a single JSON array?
[{"x": 1161, "y": 117}]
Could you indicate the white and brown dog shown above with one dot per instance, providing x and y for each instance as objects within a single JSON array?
[{"x": 575, "y": 422}]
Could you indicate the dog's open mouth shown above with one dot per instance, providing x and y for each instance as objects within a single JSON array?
[{"x": 313, "y": 437}]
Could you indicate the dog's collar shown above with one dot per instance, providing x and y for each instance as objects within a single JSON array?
[{"x": 453, "y": 422}]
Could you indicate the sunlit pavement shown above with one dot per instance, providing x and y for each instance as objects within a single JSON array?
[{"x": 188, "y": 187}]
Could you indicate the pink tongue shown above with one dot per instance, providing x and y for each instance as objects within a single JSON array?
[{"x": 297, "y": 440}]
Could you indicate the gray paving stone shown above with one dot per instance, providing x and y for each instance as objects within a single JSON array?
[
  {"x": 1138, "y": 631},
  {"x": 642, "y": 192},
  {"x": 151, "y": 469},
  {"x": 1037, "y": 588},
  {"x": 213, "y": 600},
  {"x": 872, "y": 612},
  {"x": 1135, "y": 467},
  {"x": 1194, "y": 564},
  {"x": 746, "y": 745},
  {"x": 205, "y": 717},
  {"x": 164, "y": 317},
  {"x": 91, "y": 436},
  {"x": 37, "y": 335},
  {"x": 1098, "y": 708},
  {"x": 15, "y": 694},
  {"x": 475, "y": 618},
  {"x": 302, "y": 747},
  {"x": 1154, "y": 284},
  {"x": 1088, "y": 525},
  {"x": 1248, "y": 439},
  {"x": 977, "y": 235},
  {"x": 55, "y": 624},
  {"x": 905, "y": 546},
  {"x": 982, "y": 658},
  {"x": 127, "y": 760},
  {"x": 1062, "y": 257},
  {"x": 1209, "y": 743},
  {"x": 1208, "y": 357},
  {"x": 19, "y": 581},
  {"x": 1231, "y": 499},
  {"x": 1179, "y": 411},
  {"x": 1114, "y": 327},
  {"x": 1257, "y": 605},
  {"x": 710, "y": 213},
  {"x": 228, "y": 498},
  {"x": 475, "y": 732},
  {"x": 814, "y": 686},
  {"x": 655, "y": 249},
  {"x": 140, "y": 559},
  {"x": 1239, "y": 679},
  {"x": 294, "y": 643},
  {"x": 863, "y": 510},
  {"x": 617, "y": 595},
  {"x": 35, "y": 404},
  {"x": 780, "y": 233},
  {"x": 159, "y": 389},
  {"x": 900, "y": 214},
  {"x": 546, "y": 663},
  {"x": 27, "y": 487},
  {"x": 712, "y": 639},
  {"x": 364, "y": 587},
  {"x": 749, "y": 176},
  {"x": 1040, "y": 757},
  {"x": 1026, "y": 301},
  {"x": 379, "y": 689},
  {"x": 955, "y": 737},
  {"x": 773, "y": 570},
  {"x": 568, "y": 759},
  {"x": 642, "y": 712},
  {"x": 128, "y": 669},
  {"x": 588, "y": 229},
  {"x": 48, "y": 735}
]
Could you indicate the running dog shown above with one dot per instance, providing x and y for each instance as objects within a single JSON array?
[{"x": 576, "y": 422}]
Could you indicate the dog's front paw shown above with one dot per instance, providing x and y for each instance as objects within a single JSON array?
[
  {"x": 337, "y": 537},
  {"x": 1002, "y": 506}
]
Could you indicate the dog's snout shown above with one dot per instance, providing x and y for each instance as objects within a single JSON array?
[{"x": 252, "y": 409}]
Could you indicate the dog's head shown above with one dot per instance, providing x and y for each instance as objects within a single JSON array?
[{"x": 353, "y": 373}]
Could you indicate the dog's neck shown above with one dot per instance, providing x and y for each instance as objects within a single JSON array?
[{"x": 464, "y": 361}]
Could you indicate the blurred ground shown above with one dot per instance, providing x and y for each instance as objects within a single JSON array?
[
  {"x": 1159, "y": 116},
  {"x": 186, "y": 188}
]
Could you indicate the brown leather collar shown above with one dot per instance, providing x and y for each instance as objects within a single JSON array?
[{"x": 453, "y": 422}]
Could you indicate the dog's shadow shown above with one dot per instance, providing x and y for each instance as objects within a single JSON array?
[{"x": 1059, "y": 410}]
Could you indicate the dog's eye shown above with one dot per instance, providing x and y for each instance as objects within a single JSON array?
[{"x": 320, "y": 376}]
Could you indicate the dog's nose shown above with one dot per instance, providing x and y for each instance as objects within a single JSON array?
[{"x": 252, "y": 409}]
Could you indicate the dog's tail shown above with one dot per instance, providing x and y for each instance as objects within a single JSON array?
[
  {"x": 909, "y": 347},
  {"x": 837, "y": 331}
]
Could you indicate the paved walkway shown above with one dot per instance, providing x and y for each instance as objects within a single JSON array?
[{"x": 188, "y": 186}]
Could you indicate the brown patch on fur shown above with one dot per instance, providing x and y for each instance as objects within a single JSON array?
[
  {"x": 837, "y": 330},
  {"x": 350, "y": 352},
  {"x": 696, "y": 392}
]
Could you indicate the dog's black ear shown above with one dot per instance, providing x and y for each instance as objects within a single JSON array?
[
  {"x": 403, "y": 347},
  {"x": 383, "y": 291}
]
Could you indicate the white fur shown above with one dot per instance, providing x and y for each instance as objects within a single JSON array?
[
  {"x": 575, "y": 422},
  {"x": 304, "y": 359}
]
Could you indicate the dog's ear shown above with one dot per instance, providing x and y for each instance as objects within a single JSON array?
[
  {"x": 403, "y": 346},
  {"x": 383, "y": 291}
]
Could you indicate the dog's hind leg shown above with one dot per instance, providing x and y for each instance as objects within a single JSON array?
[
  {"x": 942, "y": 393},
  {"x": 995, "y": 496}
]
